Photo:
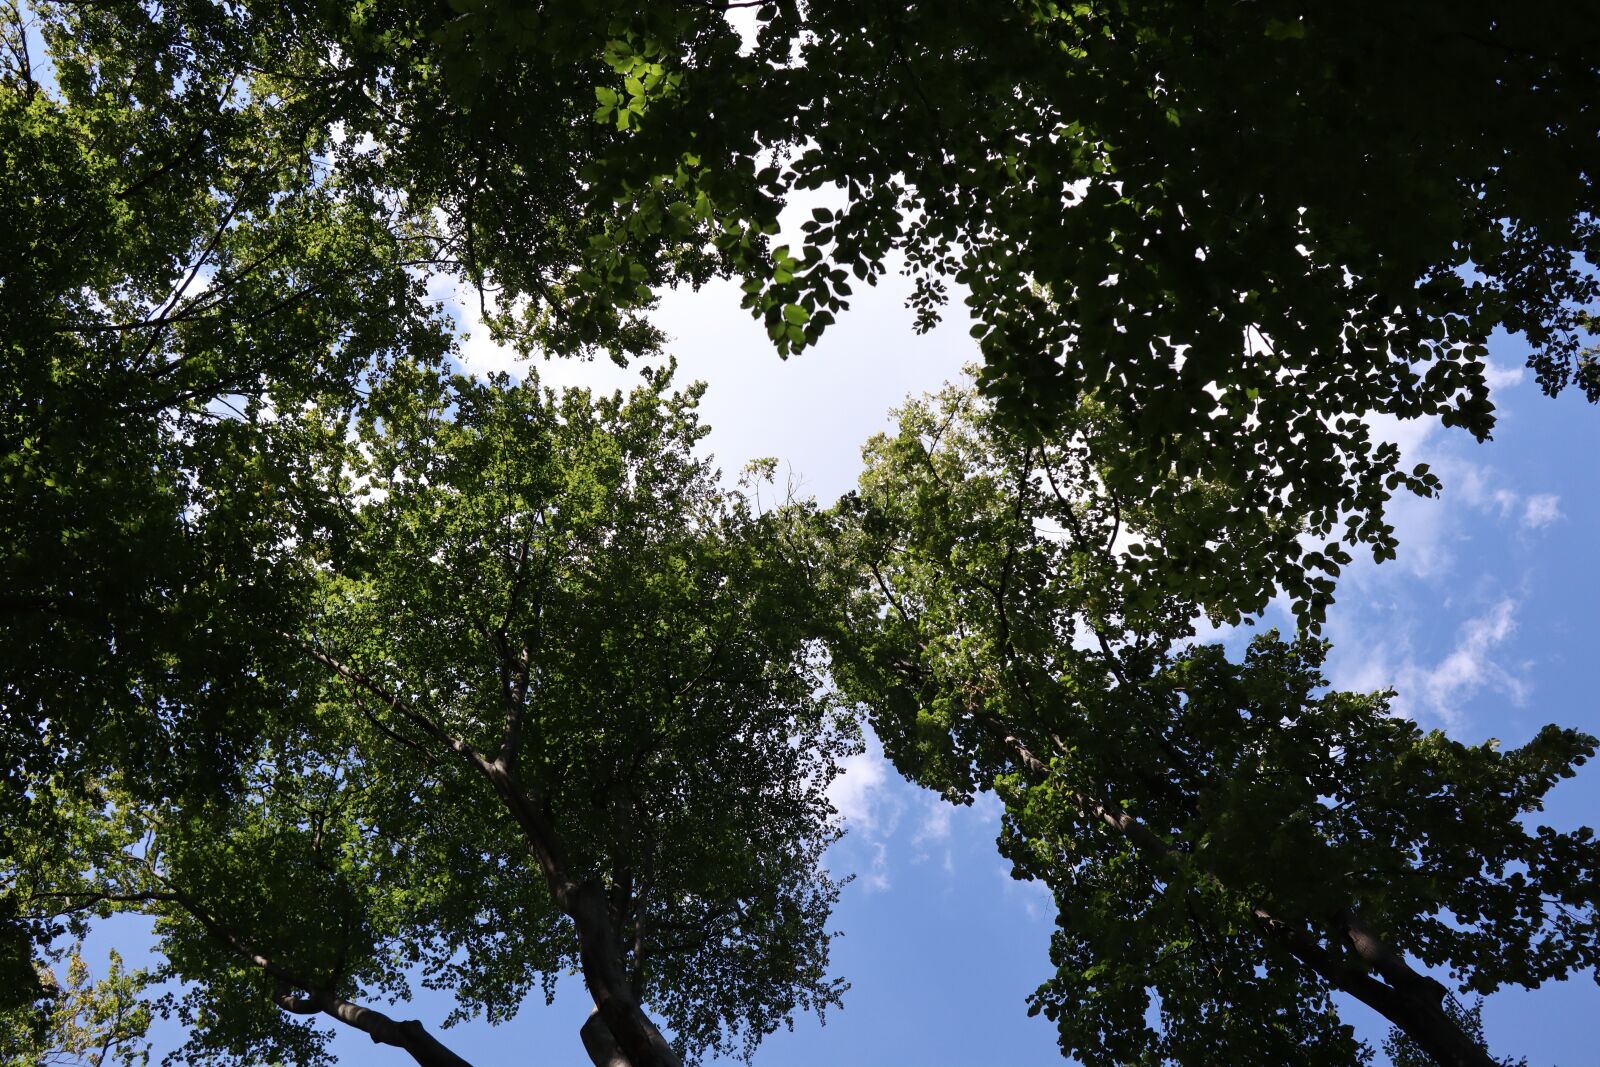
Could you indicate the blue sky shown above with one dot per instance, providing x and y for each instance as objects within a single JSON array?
[{"x": 1485, "y": 623}]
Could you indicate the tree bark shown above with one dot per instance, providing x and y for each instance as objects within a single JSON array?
[
  {"x": 406, "y": 1034},
  {"x": 599, "y": 951},
  {"x": 599, "y": 942},
  {"x": 602, "y": 1048},
  {"x": 1411, "y": 1001}
]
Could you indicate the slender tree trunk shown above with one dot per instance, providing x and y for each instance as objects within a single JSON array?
[{"x": 599, "y": 943}]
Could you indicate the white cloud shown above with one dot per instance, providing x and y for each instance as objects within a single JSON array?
[
  {"x": 933, "y": 829},
  {"x": 870, "y": 797},
  {"x": 477, "y": 350},
  {"x": 1473, "y": 665},
  {"x": 877, "y": 878},
  {"x": 1542, "y": 509},
  {"x": 1468, "y": 668},
  {"x": 1205, "y": 633},
  {"x": 1476, "y": 486},
  {"x": 1409, "y": 434},
  {"x": 935, "y": 825},
  {"x": 987, "y": 809},
  {"x": 1431, "y": 531},
  {"x": 1498, "y": 377},
  {"x": 861, "y": 793},
  {"x": 1034, "y": 896}
]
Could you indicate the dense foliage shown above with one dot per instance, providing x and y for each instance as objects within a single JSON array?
[
  {"x": 1411, "y": 181},
  {"x": 1200, "y": 243},
  {"x": 564, "y": 714},
  {"x": 1228, "y": 843}
]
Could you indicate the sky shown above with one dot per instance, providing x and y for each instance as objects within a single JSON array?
[{"x": 1485, "y": 625}]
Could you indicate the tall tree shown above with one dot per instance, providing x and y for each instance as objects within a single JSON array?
[
  {"x": 1241, "y": 266},
  {"x": 1228, "y": 842},
  {"x": 193, "y": 298},
  {"x": 567, "y": 715},
  {"x": 212, "y": 261},
  {"x": 188, "y": 299}
]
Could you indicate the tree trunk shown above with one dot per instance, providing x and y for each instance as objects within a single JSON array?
[
  {"x": 602, "y": 1048},
  {"x": 1411, "y": 1001},
  {"x": 629, "y": 1030},
  {"x": 1425, "y": 1022},
  {"x": 408, "y": 1034}
]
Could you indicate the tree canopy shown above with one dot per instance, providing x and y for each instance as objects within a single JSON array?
[
  {"x": 1227, "y": 842},
  {"x": 1241, "y": 265},
  {"x": 1200, "y": 243},
  {"x": 560, "y": 711}
]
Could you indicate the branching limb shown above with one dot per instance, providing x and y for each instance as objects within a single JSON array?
[
  {"x": 1409, "y": 1000},
  {"x": 438, "y": 733}
]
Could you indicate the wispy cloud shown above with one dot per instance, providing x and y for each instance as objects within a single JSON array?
[
  {"x": 935, "y": 824},
  {"x": 869, "y": 796},
  {"x": 1542, "y": 509},
  {"x": 933, "y": 831},
  {"x": 1501, "y": 377},
  {"x": 1470, "y": 665},
  {"x": 877, "y": 877},
  {"x": 1431, "y": 532},
  {"x": 1474, "y": 664},
  {"x": 861, "y": 795},
  {"x": 1034, "y": 896}
]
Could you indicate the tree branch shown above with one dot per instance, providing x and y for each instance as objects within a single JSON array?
[
  {"x": 408, "y": 1035},
  {"x": 466, "y": 751}
]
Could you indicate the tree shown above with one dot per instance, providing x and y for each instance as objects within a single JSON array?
[
  {"x": 1240, "y": 267},
  {"x": 193, "y": 300},
  {"x": 232, "y": 205},
  {"x": 210, "y": 266},
  {"x": 95, "y": 1023},
  {"x": 565, "y": 713},
  {"x": 1227, "y": 841}
]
